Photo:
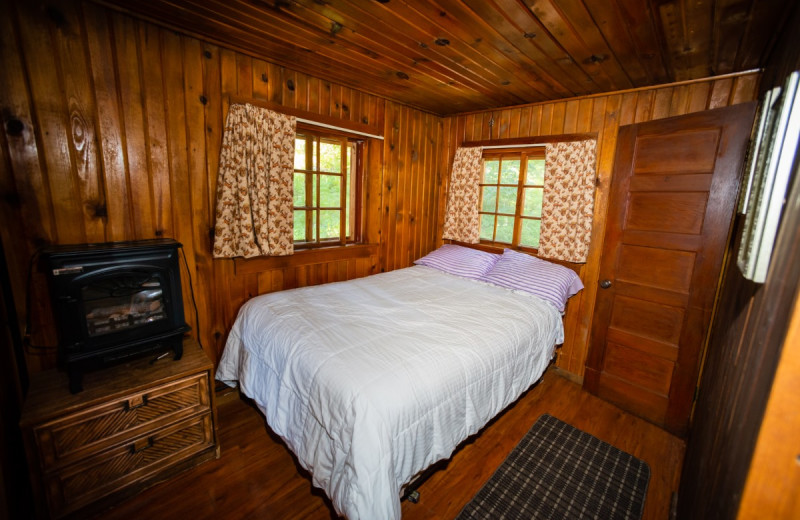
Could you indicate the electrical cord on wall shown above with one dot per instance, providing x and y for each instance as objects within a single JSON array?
[{"x": 194, "y": 302}]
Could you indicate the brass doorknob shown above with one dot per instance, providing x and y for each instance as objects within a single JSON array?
[{"x": 605, "y": 284}]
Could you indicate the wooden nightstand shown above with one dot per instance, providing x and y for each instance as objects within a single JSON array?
[{"x": 133, "y": 425}]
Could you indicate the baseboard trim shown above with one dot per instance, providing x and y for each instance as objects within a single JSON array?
[{"x": 575, "y": 378}]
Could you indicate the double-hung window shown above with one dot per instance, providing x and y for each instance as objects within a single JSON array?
[
  {"x": 327, "y": 179},
  {"x": 511, "y": 190}
]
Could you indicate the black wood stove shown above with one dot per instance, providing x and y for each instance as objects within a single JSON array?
[{"x": 113, "y": 301}]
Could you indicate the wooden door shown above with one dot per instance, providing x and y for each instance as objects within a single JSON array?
[{"x": 673, "y": 195}]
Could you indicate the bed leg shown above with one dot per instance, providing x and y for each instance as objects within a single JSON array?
[{"x": 413, "y": 496}]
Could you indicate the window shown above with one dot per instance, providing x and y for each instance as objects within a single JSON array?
[
  {"x": 511, "y": 189},
  {"x": 326, "y": 184}
]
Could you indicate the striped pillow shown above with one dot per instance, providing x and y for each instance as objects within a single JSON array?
[
  {"x": 551, "y": 282},
  {"x": 460, "y": 261}
]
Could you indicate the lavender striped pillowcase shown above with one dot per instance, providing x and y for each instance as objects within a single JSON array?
[
  {"x": 551, "y": 282},
  {"x": 460, "y": 261}
]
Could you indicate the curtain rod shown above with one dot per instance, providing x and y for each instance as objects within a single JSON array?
[
  {"x": 538, "y": 140},
  {"x": 339, "y": 128},
  {"x": 538, "y": 145},
  {"x": 310, "y": 118}
]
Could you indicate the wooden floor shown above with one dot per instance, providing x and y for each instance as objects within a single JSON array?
[{"x": 257, "y": 477}]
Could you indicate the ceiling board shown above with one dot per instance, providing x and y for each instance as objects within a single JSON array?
[{"x": 452, "y": 56}]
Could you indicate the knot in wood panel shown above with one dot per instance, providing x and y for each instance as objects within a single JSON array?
[
  {"x": 594, "y": 58},
  {"x": 14, "y": 127}
]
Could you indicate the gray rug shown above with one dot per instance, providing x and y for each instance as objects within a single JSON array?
[{"x": 560, "y": 472}]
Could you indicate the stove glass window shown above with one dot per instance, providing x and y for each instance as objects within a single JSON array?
[{"x": 124, "y": 301}]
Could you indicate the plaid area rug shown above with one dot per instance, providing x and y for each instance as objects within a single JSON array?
[{"x": 560, "y": 472}]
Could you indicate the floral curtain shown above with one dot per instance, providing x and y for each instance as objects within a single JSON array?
[
  {"x": 461, "y": 222},
  {"x": 568, "y": 203},
  {"x": 255, "y": 184}
]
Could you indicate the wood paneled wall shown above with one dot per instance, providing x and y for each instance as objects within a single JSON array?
[
  {"x": 741, "y": 459},
  {"x": 112, "y": 129},
  {"x": 602, "y": 115}
]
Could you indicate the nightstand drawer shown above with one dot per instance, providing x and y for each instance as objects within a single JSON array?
[
  {"x": 75, "y": 436},
  {"x": 73, "y": 487}
]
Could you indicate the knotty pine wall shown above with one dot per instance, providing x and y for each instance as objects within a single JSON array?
[
  {"x": 603, "y": 115},
  {"x": 741, "y": 459},
  {"x": 112, "y": 131}
]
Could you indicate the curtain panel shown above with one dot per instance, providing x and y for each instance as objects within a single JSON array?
[
  {"x": 568, "y": 203},
  {"x": 462, "y": 222},
  {"x": 254, "y": 214}
]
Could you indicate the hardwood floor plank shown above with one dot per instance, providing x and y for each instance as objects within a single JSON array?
[{"x": 257, "y": 477}]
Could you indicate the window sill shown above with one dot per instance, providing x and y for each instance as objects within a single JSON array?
[{"x": 304, "y": 257}]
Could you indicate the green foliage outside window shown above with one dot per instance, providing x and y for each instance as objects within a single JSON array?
[
  {"x": 318, "y": 198},
  {"x": 512, "y": 188}
]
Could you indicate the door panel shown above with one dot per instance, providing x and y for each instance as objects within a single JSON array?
[
  {"x": 698, "y": 182},
  {"x": 647, "y": 320},
  {"x": 655, "y": 267},
  {"x": 652, "y": 346},
  {"x": 664, "y": 211},
  {"x": 679, "y": 153},
  {"x": 649, "y": 405},
  {"x": 672, "y": 199},
  {"x": 639, "y": 367}
]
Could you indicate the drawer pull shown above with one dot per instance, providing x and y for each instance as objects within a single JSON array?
[
  {"x": 141, "y": 445},
  {"x": 135, "y": 402}
]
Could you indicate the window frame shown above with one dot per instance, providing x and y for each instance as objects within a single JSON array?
[
  {"x": 523, "y": 154},
  {"x": 358, "y": 150}
]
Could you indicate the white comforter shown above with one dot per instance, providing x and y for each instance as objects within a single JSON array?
[{"x": 371, "y": 381}]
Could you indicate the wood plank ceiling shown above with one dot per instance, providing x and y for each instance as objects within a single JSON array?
[{"x": 452, "y": 56}]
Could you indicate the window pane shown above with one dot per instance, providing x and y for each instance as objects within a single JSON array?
[
  {"x": 330, "y": 157},
  {"x": 533, "y": 202},
  {"x": 487, "y": 227},
  {"x": 325, "y": 188},
  {"x": 508, "y": 200},
  {"x": 313, "y": 144},
  {"x": 505, "y": 229},
  {"x": 299, "y": 189},
  {"x": 299, "y": 225},
  {"x": 489, "y": 199},
  {"x": 330, "y": 191},
  {"x": 510, "y": 172},
  {"x": 530, "y": 232},
  {"x": 347, "y": 183},
  {"x": 314, "y": 188},
  {"x": 535, "y": 172},
  {"x": 300, "y": 153},
  {"x": 490, "y": 169},
  {"x": 328, "y": 224}
]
